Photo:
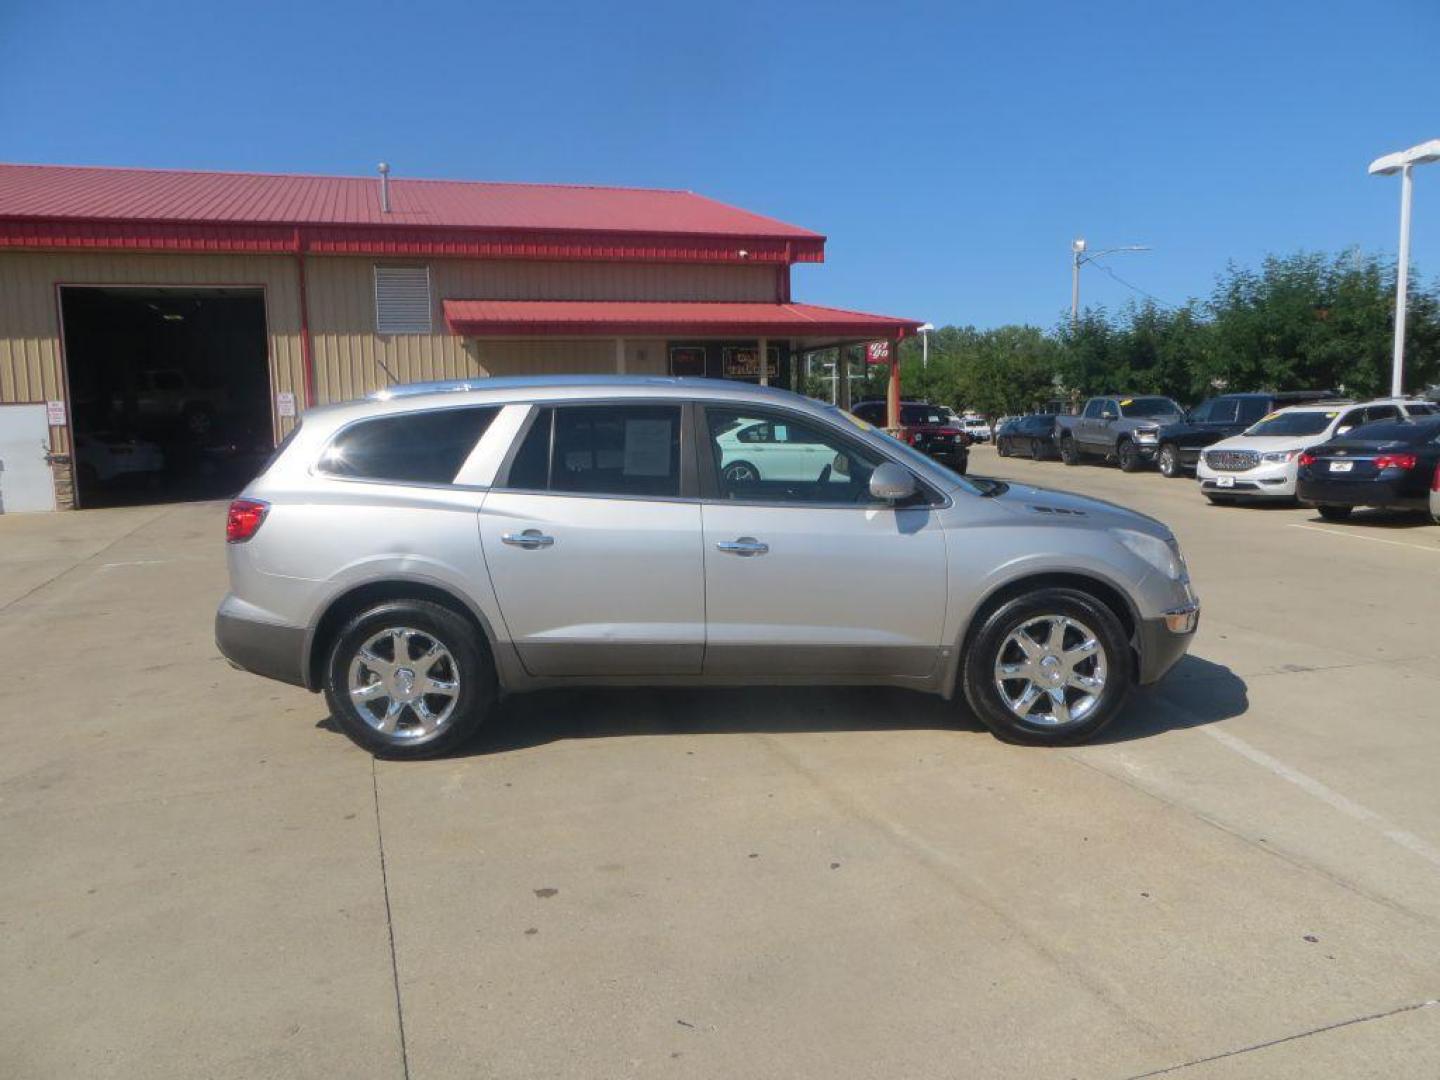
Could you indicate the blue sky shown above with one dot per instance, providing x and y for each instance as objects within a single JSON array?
[{"x": 949, "y": 151}]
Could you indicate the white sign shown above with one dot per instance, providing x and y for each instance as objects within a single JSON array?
[
  {"x": 55, "y": 413},
  {"x": 647, "y": 448},
  {"x": 285, "y": 403}
]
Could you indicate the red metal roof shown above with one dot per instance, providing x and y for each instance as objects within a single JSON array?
[
  {"x": 491, "y": 318},
  {"x": 46, "y": 205}
]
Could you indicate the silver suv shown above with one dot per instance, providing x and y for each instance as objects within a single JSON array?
[{"x": 418, "y": 554}]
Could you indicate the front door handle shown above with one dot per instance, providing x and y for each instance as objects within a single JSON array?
[
  {"x": 745, "y": 547},
  {"x": 530, "y": 539}
]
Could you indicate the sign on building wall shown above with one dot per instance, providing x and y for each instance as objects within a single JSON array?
[
  {"x": 284, "y": 403},
  {"x": 687, "y": 360},
  {"x": 743, "y": 362},
  {"x": 55, "y": 413}
]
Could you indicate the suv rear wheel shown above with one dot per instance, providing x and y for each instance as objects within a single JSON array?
[
  {"x": 1336, "y": 513},
  {"x": 1169, "y": 461},
  {"x": 409, "y": 679},
  {"x": 1049, "y": 667},
  {"x": 1069, "y": 452}
]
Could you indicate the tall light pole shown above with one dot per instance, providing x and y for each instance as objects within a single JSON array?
[
  {"x": 925, "y": 329},
  {"x": 1078, "y": 258},
  {"x": 1403, "y": 162}
]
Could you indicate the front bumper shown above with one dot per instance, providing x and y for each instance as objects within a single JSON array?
[
  {"x": 1273, "y": 481},
  {"x": 263, "y": 648},
  {"x": 1162, "y": 642}
]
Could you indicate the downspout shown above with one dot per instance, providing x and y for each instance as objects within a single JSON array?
[{"x": 307, "y": 354}]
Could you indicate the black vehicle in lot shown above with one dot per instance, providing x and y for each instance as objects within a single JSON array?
[
  {"x": 1388, "y": 464},
  {"x": 1028, "y": 435},
  {"x": 1219, "y": 418}
]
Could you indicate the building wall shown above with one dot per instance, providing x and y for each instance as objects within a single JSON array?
[
  {"x": 350, "y": 358},
  {"x": 31, "y": 361}
]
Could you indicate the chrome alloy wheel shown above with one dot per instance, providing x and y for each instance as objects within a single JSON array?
[
  {"x": 1051, "y": 670},
  {"x": 405, "y": 684}
]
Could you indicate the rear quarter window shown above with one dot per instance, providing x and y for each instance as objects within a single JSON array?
[{"x": 415, "y": 448}]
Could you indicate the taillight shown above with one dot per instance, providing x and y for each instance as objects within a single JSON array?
[
  {"x": 1395, "y": 461},
  {"x": 244, "y": 520},
  {"x": 1307, "y": 458}
]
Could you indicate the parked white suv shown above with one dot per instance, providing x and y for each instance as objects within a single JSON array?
[
  {"x": 417, "y": 555},
  {"x": 1260, "y": 464}
]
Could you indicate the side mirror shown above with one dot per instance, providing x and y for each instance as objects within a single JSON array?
[{"x": 892, "y": 483}]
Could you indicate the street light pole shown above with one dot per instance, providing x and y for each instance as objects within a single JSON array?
[
  {"x": 1078, "y": 258},
  {"x": 925, "y": 329},
  {"x": 1402, "y": 284},
  {"x": 1403, "y": 163}
]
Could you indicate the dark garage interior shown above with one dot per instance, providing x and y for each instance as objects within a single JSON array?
[{"x": 169, "y": 391}]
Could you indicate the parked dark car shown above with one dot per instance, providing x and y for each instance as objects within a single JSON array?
[
  {"x": 1219, "y": 418},
  {"x": 1388, "y": 464},
  {"x": 1033, "y": 436},
  {"x": 927, "y": 428}
]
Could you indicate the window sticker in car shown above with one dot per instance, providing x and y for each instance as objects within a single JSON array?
[{"x": 1128, "y": 401}]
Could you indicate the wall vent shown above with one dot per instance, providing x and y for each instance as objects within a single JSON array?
[{"x": 402, "y": 300}]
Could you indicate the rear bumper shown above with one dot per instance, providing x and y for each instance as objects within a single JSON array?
[
  {"x": 263, "y": 648},
  {"x": 1389, "y": 494},
  {"x": 1162, "y": 642}
]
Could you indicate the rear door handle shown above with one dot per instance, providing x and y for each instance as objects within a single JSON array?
[
  {"x": 530, "y": 539},
  {"x": 745, "y": 547}
]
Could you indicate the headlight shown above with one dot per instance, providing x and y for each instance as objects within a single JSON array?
[
  {"x": 1163, "y": 555},
  {"x": 1279, "y": 457},
  {"x": 1145, "y": 436}
]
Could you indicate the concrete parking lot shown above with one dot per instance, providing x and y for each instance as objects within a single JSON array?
[{"x": 1242, "y": 878}]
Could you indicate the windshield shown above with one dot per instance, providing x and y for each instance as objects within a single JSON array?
[
  {"x": 1293, "y": 423},
  {"x": 912, "y": 456},
  {"x": 922, "y": 414},
  {"x": 1149, "y": 406}
]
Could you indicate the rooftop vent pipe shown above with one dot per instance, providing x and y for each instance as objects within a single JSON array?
[{"x": 384, "y": 188}]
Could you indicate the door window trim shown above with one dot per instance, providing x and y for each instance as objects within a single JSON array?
[
  {"x": 538, "y": 408},
  {"x": 708, "y": 468}
]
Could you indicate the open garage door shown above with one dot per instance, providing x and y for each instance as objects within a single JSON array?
[{"x": 169, "y": 391}]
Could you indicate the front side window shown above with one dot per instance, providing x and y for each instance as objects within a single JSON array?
[
  {"x": 626, "y": 450},
  {"x": 1095, "y": 409},
  {"x": 416, "y": 448},
  {"x": 1150, "y": 407},
  {"x": 802, "y": 463},
  {"x": 1251, "y": 410}
]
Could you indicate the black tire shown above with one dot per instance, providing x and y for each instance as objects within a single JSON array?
[
  {"x": 1037, "y": 452},
  {"x": 1069, "y": 452},
  {"x": 1002, "y": 447},
  {"x": 988, "y": 645},
  {"x": 469, "y": 663},
  {"x": 1128, "y": 455},
  {"x": 1169, "y": 461},
  {"x": 1335, "y": 513},
  {"x": 741, "y": 472},
  {"x": 1220, "y": 500}
]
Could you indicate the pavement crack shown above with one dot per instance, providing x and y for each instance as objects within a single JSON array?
[
  {"x": 1412, "y": 1007},
  {"x": 389, "y": 923}
]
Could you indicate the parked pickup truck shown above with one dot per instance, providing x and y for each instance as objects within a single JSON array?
[
  {"x": 1116, "y": 428},
  {"x": 1219, "y": 418}
]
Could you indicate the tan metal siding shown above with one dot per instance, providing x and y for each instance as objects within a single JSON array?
[
  {"x": 351, "y": 358},
  {"x": 30, "y": 345}
]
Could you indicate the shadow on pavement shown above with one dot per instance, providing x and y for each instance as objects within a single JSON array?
[{"x": 1196, "y": 692}]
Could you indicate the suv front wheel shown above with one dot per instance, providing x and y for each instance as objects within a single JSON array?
[
  {"x": 1050, "y": 667},
  {"x": 1069, "y": 452},
  {"x": 409, "y": 679}
]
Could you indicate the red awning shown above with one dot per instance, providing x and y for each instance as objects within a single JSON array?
[{"x": 638, "y": 318}]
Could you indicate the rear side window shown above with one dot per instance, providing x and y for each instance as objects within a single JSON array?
[
  {"x": 601, "y": 450},
  {"x": 1222, "y": 411},
  {"x": 415, "y": 448}
]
